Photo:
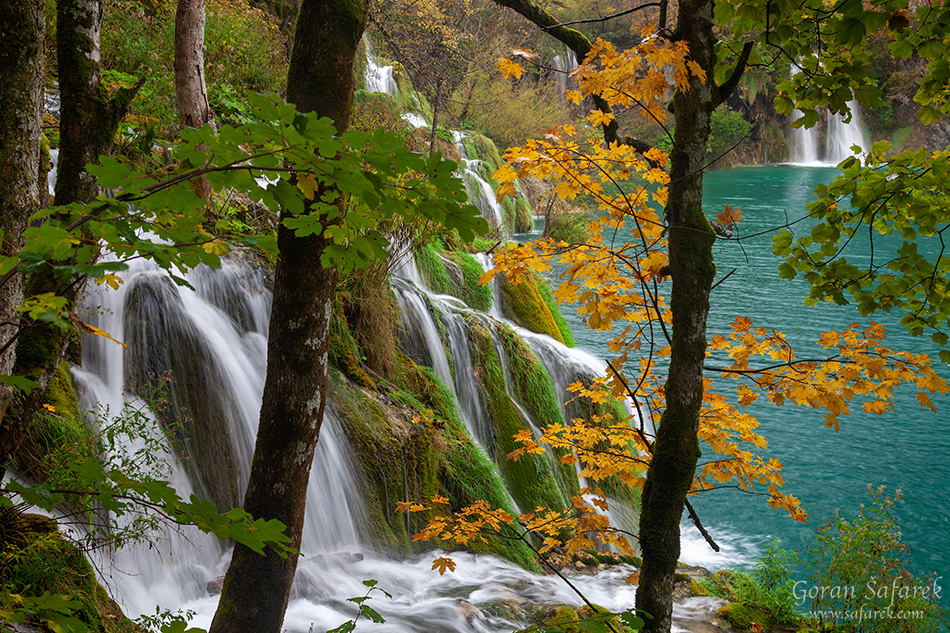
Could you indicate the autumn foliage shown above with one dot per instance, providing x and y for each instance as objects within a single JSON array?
[{"x": 618, "y": 279}]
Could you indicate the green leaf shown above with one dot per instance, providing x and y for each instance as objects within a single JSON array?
[{"x": 22, "y": 383}]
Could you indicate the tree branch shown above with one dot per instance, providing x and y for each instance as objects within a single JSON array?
[
  {"x": 610, "y": 17},
  {"x": 727, "y": 88}
]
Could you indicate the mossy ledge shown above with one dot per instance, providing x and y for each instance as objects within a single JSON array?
[{"x": 35, "y": 558}]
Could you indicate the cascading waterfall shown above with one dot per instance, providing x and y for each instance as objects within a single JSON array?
[
  {"x": 805, "y": 147},
  {"x": 563, "y": 65},
  {"x": 379, "y": 78},
  {"x": 480, "y": 193},
  {"x": 223, "y": 321}
]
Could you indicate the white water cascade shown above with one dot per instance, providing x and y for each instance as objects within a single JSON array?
[
  {"x": 564, "y": 64},
  {"x": 806, "y": 146},
  {"x": 480, "y": 193},
  {"x": 221, "y": 326}
]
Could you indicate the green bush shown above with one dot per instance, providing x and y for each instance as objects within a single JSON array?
[
  {"x": 859, "y": 568},
  {"x": 728, "y": 130}
]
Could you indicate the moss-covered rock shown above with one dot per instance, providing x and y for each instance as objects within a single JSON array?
[
  {"x": 523, "y": 304},
  {"x": 454, "y": 273},
  {"x": 567, "y": 336},
  {"x": 742, "y": 617},
  {"x": 412, "y": 445},
  {"x": 58, "y": 436},
  {"x": 35, "y": 558}
]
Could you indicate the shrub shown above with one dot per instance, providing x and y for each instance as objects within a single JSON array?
[{"x": 860, "y": 566}]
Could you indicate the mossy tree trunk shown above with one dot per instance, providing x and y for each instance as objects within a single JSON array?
[
  {"x": 89, "y": 119},
  {"x": 22, "y": 26},
  {"x": 191, "y": 92},
  {"x": 676, "y": 449},
  {"x": 256, "y": 588}
]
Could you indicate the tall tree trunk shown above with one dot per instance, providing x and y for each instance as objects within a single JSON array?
[
  {"x": 191, "y": 93},
  {"x": 256, "y": 588},
  {"x": 676, "y": 449},
  {"x": 88, "y": 123},
  {"x": 22, "y": 25}
]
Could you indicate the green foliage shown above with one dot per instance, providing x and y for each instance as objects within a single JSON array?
[
  {"x": 365, "y": 611},
  {"x": 728, "y": 130},
  {"x": 243, "y": 52},
  {"x": 586, "y": 620},
  {"x": 902, "y": 203},
  {"x": 860, "y": 565},
  {"x": 376, "y": 174}
]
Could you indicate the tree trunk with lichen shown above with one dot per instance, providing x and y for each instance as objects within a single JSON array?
[
  {"x": 257, "y": 587},
  {"x": 22, "y": 26},
  {"x": 89, "y": 119},
  {"x": 191, "y": 92},
  {"x": 676, "y": 449}
]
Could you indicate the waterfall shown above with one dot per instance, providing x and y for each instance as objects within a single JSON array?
[
  {"x": 480, "y": 193},
  {"x": 563, "y": 65},
  {"x": 215, "y": 337},
  {"x": 378, "y": 78},
  {"x": 805, "y": 147}
]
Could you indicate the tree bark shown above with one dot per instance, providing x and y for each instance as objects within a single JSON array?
[
  {"x": 90, "y": 116},
  {"x": 22, "y": 26},
  {"x": 191, "y": 92},
  {"x": 88, "y": 121},
  {"x": 256, "y": 588},
  {"x": 676, "y": 449}
]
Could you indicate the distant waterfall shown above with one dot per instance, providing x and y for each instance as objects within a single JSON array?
[
  {"x": 806, "y": 146},
  {"x": 563, "y": 65},
  {"x": 378, "y": 78}
]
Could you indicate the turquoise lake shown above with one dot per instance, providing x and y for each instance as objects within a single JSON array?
[{"x": 908, "y": 449}]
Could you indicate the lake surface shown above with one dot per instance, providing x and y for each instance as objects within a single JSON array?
[{"x": 907, "y": 450}]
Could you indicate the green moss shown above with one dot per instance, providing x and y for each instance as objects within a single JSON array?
[
  {"x": 454, "y": 273},
  {"x": 413, "y": 448},
  {"x": 36, "y": 558},
  {"x": 344, "y": 350},
  {"x": 523, "y": 304},
  {"x": 742, "y": 617},
  {"x": 551, "y": 303},
  {"x": 432, "y": 268},
  {"x": 396, "y": 459},
  {"x": 472, "y": 292},
  {"x": 531, "y": 479},
  {"x": 57, "y": 437}
]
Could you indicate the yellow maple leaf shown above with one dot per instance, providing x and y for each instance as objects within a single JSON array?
[
  {"x": 442, "y": 563},
  {"x": 112, "y": 280},
  {"x": 308, "y": 184},
  {"x": 49, "y": 407},
  {"x": 599, "y": 117},
  {"x": 509, "y": 68},
  {"x": 574, "y": 95}
]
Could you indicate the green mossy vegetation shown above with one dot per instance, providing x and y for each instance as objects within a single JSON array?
[
  {"x": 35, "y": 558},
  {"x": 523, "y": 304},
  {"x": 454, "y": 273},
  {"x": 548, "y": 297},
  {"x": 743, "y": 617},
  {"x": 532, "y": 479}
]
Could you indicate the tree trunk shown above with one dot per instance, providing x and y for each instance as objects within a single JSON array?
[
  {"x": 191, "y": 93},
  {"x": 676, "y": 449},
  {"x": 89, "y": 118},
  {"x": 256, "y": 588},
  {"x": 22, "y": 25}
]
